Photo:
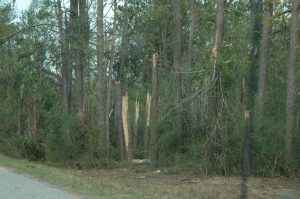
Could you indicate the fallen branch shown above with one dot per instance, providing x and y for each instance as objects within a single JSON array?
[{"x": 141, "y": 161}]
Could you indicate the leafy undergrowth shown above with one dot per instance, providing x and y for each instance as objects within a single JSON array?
[{"x": 144, "y": 183}]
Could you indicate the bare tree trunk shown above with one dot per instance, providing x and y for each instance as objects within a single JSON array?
[
  {"x": 290, "y": 96},
  {"x": 154, "y": 108},
  {"x": 83, "y": 48},
  {"x": 252, "y": 82},
  {"x": 177, "y": 65},
  {"x": 101, "y": 74},
  {"x": 136, "y": 124},
  {"x": 219, "y": 29},
  {"x": 124, "y": 42},
  {"x": 147, "y": 127},
  {"x": 215, "y": 52},
  {"x": 191, "y": 36},
  {"x": 126, "y": 128},
  {"x": 109, "y": 86},
  {"x": 215, "y": 136},
  {"x": 119, "y": 125},
  {"x": 190, "y": 55},
  {"x": 263, "y": 57},
  {"x": 119, "y": 78},
  {"x": 19, "y": 122},
  {"x": 36, "y": 98},
  {"x": 76, "y": 56},
  {"x": 66, "y": 72}
]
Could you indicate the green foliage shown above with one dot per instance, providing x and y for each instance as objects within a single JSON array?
[
  {"x": 166, "y": 145},
  {"x": 33, "y": 150},
  {"x": 24, "y": 84}
]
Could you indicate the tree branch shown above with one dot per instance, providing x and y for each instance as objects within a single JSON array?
[
  {"x": 7, "y": 38},
  {"x": 50, "y": 73}
]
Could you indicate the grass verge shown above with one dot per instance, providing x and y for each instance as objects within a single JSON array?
[
  {"x": 145, "y": 183},
  {"x": 68, "y": 179}
]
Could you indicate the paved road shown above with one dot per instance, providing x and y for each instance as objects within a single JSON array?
[{"x": 16, "y": 186}]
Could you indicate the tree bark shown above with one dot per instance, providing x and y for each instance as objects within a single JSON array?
[
  {"x": 66, "y": 71},
  {"x": 109, "y": 85},
  {"x": 290, "y": 96},
  {"x": 76, "y": 58},
  {"x": 119, "y": 77},
  {"x": 101, "y": 75},
  {"x": 126, "y": 128},
  {"x": 191, "y": 36},
  {"x": 190, "y": 56},
  {"x": 264, "y": 56},
  {"x": 154, "y": 108},
  {"x": 147, "y": 127},
  {"x": 83, "y": 50},
  {"x": 219, "y": 29},
  {"x": 124, "y": 42},
  {"x": 119, "y": 125},
  {"x": 215, "y": 52},
  {"x": 252, "y": 82},
  {"x": 136, "y": 124},
  {"x": 177, "y": 70},
  {"x": 215, "y": 136}
]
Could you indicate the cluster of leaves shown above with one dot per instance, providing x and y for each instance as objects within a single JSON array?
[{"x": 150, "y": 30}]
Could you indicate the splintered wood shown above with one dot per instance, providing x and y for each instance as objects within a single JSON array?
[
  {"x": 125, "y": 120},
  {"x": 148, "y": 108}
]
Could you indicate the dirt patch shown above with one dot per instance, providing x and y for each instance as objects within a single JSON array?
[{"x": 160, "y": 184}]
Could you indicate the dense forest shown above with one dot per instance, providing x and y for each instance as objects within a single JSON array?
[{"x": 205, "y": 85}]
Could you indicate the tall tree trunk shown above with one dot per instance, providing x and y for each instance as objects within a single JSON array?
[
  {"x": 252, "y": 82},
  {"x": 191, "y": 36},
  {"x": 101, "y": 74},
  {"x": 66, "y": 71},
  {"x": 136, "y": 124},
  {"x": 83, "y": 48},
  {"x": 190, "y": 55},
  {"x": 126, "y": 128},
  {"x": 147, "y": 126},
  {"x": 124, "y": 42},
  {"x": 154, "y": 108},
  {"x": 37, "y": 97},
  {"x": 119, "y": 77},
  {"x": 109, "y": 84},
  {"x": 290, "y": 96},
  {"x": 177, "y": 70},
  {"x": 76, "y": 40},
  {"x": 263, "y": 57},
  {"x": 215, "y": 136},
  {"x": 118, "y": 119},
  {"x": 215, "y": 52}
]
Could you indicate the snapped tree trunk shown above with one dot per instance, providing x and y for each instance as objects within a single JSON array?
[
  {"x": 147, "y": 127},
  {"x": 290, "y": 96},
  {"x": 126, "y": 128},
  {"x": 119, "y": 78},
  {"x": 215, "y": 53},
  {"x": 136, "y": 124}
]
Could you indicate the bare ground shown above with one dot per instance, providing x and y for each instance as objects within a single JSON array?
[{"x": 149, "y": 184}]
